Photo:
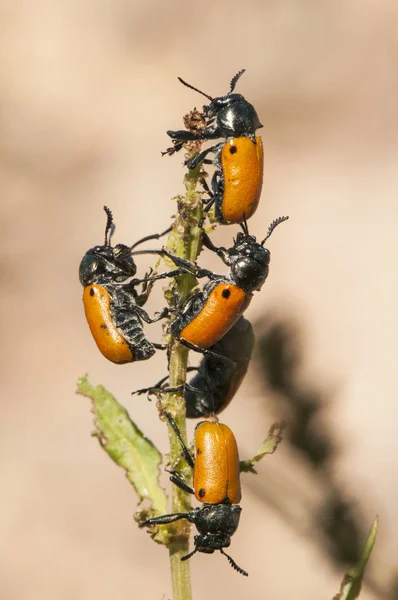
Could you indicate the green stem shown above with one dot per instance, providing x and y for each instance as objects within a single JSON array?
[{"x": 184, "y": 241}]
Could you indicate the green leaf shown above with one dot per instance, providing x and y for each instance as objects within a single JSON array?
[
  {"x": 351, "y": 584},
  {"x": 268, "y": 446},
  {"x": 125, "y": 443}
]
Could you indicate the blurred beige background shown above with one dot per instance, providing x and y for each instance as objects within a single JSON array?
[{"x": 88, "y": 89}]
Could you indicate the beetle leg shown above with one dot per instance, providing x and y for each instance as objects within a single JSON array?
[
  {"x": 211, "y": 132},
  {"x": 166, "y": 390},
  {"x": 156, "y": 389},
  {"x": 182, "y": 135},
  {"x": 157, "y": 385},
  {"x": 208, "y": 243},
  {"x": 159, "y": 346},
  {"x": 175, "y": 148},
  {"x": 187, "y": 455},
  {"x": 220, "y": 251},
  {"x": 145, "y": 317},
  {"x": 163, "y": 390},
  {"x": 206, "y": 188},
  {"x": 207, "y": 202},
  {"x": 154, "y": 236},
  {"x": 184, "y": 266},
  {"x": 145, "y": 290},
  {"x": 163, "y": 519},
  {"x": 170, "y": 518},
  {"x": 195, "y": 161},
  {"x": 179, "y": 481},
  {"x": 210, "y": 353},
  {"x": 174, "y": 273}
]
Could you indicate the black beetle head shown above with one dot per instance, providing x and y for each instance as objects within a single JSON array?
[
  {"x": 107, "y": 264},
  {"x": 217, "y": 104},
  {"x": 234, "y": 115},
  {"x": 249, "y": 262},
  {"x": 216, "y": 524},
  {"x": 249, "y": 259},
  {"x": 104, "y": 264}
]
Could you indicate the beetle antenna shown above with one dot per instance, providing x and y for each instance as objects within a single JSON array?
[
  {"x": 195, "y": 89},
  {"x": 235, "y": 80},
  {"x": 189, "y": 555},
  {"x": 110, "y": 226},
  {"x": 233, "y": 564},
  {"x": 272, "y": 227}
]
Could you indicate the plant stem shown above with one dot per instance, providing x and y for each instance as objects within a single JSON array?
[{"x": 184, "y": 241}]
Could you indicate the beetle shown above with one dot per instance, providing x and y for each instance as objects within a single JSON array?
[
  {"x": 216, "y": 483},
  {"x": 206, "y": 316},
  {"x": 238, "y": 177},
  {"x": 112, "y": 304},
  {"x": 216, "y": 381}
]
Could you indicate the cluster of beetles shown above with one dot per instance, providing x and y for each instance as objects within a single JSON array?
[{"x": 210, "y": 321}]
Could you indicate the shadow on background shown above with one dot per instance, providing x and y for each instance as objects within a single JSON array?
[
  {"x": 337, "y": 525},
  {"x": 302, "y": 406}
]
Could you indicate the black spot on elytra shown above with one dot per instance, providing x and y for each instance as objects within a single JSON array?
[
  {"x": 104, "y": 326},
  {"x": 92, "y": 292},
  {"x": 226, "y": 293},
  {"x": 202, "y": 493},
  {"x": 233, "y": 149},
  {"x": 198, "y": 451}
]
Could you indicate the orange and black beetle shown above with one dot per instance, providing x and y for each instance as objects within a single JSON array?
[
  {"x": 217, "y": 381},
  {"x": 207, "y": 315},
  {"x": 216, "y": 483},
  {"x": 112, "y": 306},
  {"x": 238, "y": 159}
]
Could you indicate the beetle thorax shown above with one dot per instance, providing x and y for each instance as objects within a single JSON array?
[
  {"x": 250, "y": 268},
  {"x": 237, "y": 118},
  {"x": 216, "y": 519}
]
